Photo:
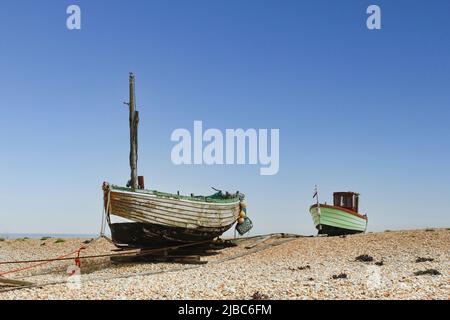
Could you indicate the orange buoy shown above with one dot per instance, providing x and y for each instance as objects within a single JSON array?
[
  {"x": 242, "y": 204},
  {"x": 242, "y": 214},
  {"x": 241, "y": 220}
]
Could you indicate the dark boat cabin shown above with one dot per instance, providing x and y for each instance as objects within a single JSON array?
[{"x": 347, "y": 200}]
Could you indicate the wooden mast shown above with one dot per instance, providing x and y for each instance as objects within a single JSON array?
[{"x": 134, "y": 120}]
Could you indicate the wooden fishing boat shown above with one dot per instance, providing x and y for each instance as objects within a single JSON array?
[
  {"x": 341, "y": 218},
  {"x": 148, "y": 218},
  {"x": 152, "y": 218}
]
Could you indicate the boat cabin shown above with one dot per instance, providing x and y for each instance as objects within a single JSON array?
[{"x": 347, "y": 200}]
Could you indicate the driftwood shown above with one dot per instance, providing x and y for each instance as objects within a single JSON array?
[
  {"x": 14, "y": 282},
  {"x": 264, "y": 239},
  {"x": 181, "y": 254},
  {"x": 160, "y": 257}
]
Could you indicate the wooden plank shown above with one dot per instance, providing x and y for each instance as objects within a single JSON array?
[
  {"x": 145, "y": 258},
  {"x": 155, "y": 219},
  {"x": 188, "y": 260},
  {"x": 142, "y": 215},
  {"x": 149, "y": 211},
  {"x": 185, "y": 204},
  {"x": 172, "y": 211},
  {"x": 169, "y": 223},
  {"x": 178, "y": 254},
  {"x": 199, "y": 252},
  {"x": 14, "y": 282},
  {"x": 264, "y": 239}
]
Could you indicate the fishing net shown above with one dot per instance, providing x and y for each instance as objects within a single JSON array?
[{"x": 244, "y": 227}]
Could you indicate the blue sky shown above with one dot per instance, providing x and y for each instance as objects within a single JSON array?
[{"x": 357, "y": 110}]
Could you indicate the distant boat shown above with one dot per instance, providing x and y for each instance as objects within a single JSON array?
[
  {"x": 341, "y": 218},
  {"x": 149, "y": 218}
]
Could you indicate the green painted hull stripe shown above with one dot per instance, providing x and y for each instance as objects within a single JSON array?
[
  {"x": 344, "y": 219},
  {"x": 339, "y": 219}
]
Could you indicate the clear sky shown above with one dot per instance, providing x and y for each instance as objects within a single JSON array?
[{"x": 359, "y": 110}]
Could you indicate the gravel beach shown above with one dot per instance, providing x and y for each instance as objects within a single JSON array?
[{"x": 410, "y": 264}]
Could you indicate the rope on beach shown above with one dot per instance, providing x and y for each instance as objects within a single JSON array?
[
  {"x": 133, "y": 251},
  {"x": 128, "y": 252},
  {"x": 78, "y": 258},
  {"x": 131, "y": 275},
  {"x": 39, "y": 264},
  {"x": 46, "y": 261}
]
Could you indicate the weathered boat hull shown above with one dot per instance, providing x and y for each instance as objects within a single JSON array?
[
  {"x": 336, "y": 221},
  {"x": 147, "y": 235},
  {"x": 163, "y": 219}
]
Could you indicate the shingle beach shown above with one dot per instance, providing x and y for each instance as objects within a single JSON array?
[{"x": 386, "y": 265}]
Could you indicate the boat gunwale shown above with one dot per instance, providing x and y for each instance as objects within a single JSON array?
[
  {"x": 208, "y": 208},
  {"x": 163, "y": 195}
]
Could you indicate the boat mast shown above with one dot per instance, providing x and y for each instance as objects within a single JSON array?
[
  {"x": 134, "y": 120},
  {"x": 316, "y": 194}
]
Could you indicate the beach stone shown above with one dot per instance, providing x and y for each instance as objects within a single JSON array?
[{"x": 277, "y": 271}]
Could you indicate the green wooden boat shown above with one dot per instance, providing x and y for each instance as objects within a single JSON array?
[{"x": 340, "y": 218}]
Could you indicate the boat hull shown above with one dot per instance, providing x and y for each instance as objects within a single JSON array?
[
  {"x": 336, "y": 221},
  {"x": 157, "y": 219},
  {"x": 147, "y": 235}
]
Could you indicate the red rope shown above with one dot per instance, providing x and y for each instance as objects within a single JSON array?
[
  {"x": 78, "y": 258},
  {"x": 46, "y": 262}
]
